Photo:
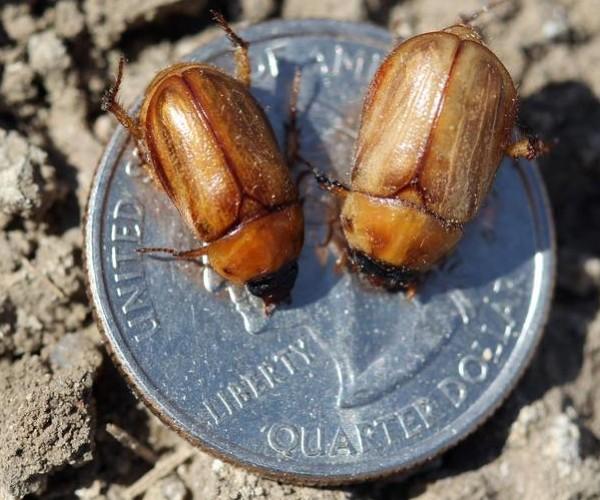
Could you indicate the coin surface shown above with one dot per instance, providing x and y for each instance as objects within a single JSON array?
[{"x": 346, "y": 383}]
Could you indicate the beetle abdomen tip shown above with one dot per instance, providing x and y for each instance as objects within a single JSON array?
[
  {"x": 275, "y": 287},
  {"x": 380, "y": 274}
]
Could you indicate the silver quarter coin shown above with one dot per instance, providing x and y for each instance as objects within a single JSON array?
[{"x": 345, "y": 383}]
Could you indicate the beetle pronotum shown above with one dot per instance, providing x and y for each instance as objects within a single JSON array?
[
  {"x": 208, "y": 144},
  {"x": 436, "y": 121}
]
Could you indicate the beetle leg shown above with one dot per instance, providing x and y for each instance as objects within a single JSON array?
[
  {"x": 112, "y": 105},
  {"x": 192, "y": 254},
  {"x": 489, "y": 5},
  {"x": 292, "y": 131},
  {"x": 411, "y": 291},
  {"x": 292, "y": 149},
  {"x": 331, "y": 185},
  {"x": 242, "y": 60},
  {"x": 529, "y": 148},
  {"x": 331, "y": 221}
]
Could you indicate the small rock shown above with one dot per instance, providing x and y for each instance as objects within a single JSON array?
[
  {"x": 556, "y": 27},
  {"x": 345, "y": 10},
  {"x": 92, "y": 492},
  {"x": 56, "y": 259},
  {"x": 103, "y": 128},
  {"x": 25, "y": 179},
  {"x": 45, "y": 285},
  {"x": 108, "y": 20},
  {"x": 73, "y": 352},
  {"x": 47, "y": 420},
  {"x": 255, "y": 10},
  {"x": 17, "y": 84},
  {"x": 221, "y": 480},
  {"x": 8, "y": 318},
  {"x": 563, "y": 444},
  {"x": 47, "y": 53},
  {"x": 69, "y": 20},
  {"x": 580, "y": 273},
  {"x": 28, "y": 333},
  {"x": 584, "y": 22},
  {"x": 591, "y": 268},
  {"x": 528, "y": 418},
  {"x": 168, "y": 488},
  {"x": 18, "y": 22}
]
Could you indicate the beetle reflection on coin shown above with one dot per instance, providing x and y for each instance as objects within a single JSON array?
[
  {"x": 208, "y": 144},
  {"x": 436, "y": 122}
]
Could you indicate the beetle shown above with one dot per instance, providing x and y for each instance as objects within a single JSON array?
[
  {"x": 208, "y": 145},
  {"x": 436, "y": 121}
]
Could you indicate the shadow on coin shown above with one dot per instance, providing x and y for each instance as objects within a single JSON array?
[
  {"x": 569, "y": 112},
  {"x": 315, "y": 279}
]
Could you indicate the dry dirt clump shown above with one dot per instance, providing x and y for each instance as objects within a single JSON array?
[
  {"x": 47, "y": 413},
  {"x": 26, "y": 181},
  {"x": 70, "y": 429}
]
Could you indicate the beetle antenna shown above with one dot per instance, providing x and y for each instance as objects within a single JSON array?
[
  {"x": 109, "y": 99},
  {"x": 192, "y": 254},
  {"x": 489, "y": 5},
  {"x": 242, "y": 61},
  {"x": 234, "y": 38},
  {"x": 111, "y": 104}
]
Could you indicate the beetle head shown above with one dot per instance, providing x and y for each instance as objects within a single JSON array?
[{"x": 275, "y": 287}]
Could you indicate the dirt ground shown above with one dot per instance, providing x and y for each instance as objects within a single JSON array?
[{"x": 58, "y": 389}]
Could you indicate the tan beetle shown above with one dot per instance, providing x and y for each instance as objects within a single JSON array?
[
  {"x": 209, "y": 145},
  {"x": 436, "y": 122}
]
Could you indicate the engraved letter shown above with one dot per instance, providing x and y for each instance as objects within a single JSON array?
[
  {"x": 240, "y": 394},
  {"x": 299, "y": 348},
  {"x": 257, "y": 383},
  {"x": 127, "y": 209},
  {"x": 472, "y": 369},
  {"x": 411, "y": 421},
  {"x": 283, "y": 438},
  {"x": 284, "y": 361},
  {"x": 372, "y": 435},
  {"x": 134, "y": 298},
  {"x": 311, "y": 450},
  {"x": 117, "y": 257},
  {"x": 341, "y": 444},
  {"x": 125, "y": 231},
  {"x": 146, "y": 324},
  {"x": 454, "y": 390},
  {"x": 213, "y": 411},
  {"x": 127, "y": 215},
  {"x": 268, "y": 371},
  {"x": 423, "y": 407}
]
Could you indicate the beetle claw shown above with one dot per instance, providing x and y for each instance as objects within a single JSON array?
[
  {"x": 529, "y": 148},
  {"x": 242, "y": 61}
]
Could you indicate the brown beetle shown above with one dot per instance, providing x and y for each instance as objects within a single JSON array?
[
  {"x": 208, "y": 144},
  {"x": 436, "y": 122}
]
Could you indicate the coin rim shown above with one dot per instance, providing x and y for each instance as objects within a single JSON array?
[{"x": 464, "y": 424}]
